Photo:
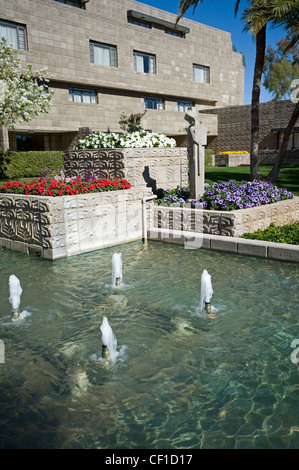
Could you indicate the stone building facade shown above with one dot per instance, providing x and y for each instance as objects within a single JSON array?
[
  {"x": 108, "y": 57},
  {"x": 234, "y": 127}
]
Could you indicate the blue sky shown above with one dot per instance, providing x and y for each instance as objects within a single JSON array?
[{"x": 221, "y": 14}]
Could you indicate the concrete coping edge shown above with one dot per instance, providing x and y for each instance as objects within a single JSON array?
[{"x": 259, "y": 248}]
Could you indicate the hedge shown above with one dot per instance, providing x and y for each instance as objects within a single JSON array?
[
  {"x": 208, "y": 157},
  {"x": 14, "y": 165},
  {"x": 282, "y": 234}
]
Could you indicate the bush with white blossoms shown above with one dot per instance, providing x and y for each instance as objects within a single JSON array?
[
  {"x": 22, "y": 92},
  {"x": 139, "y": 139}
]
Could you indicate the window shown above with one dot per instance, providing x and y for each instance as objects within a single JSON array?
[
  {"x": 201, "y": 74},
  {"x": 80, "y": 95},
  {"x": 293, "y": 140},
  {"x": 73, "y": 3},
  {"x": 174, "y": 32},
  {"x": 153, "y": 103},
  {"x": 145, "y": 63},
  {"x": 102, "y": 54},
  {"x": 145, "y": 24},
  {"x": 185, "y": 106},
  {"x": 27, "y": 142},
  {"x": 15, "y": 34}
]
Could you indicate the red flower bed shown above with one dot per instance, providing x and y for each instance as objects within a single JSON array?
[{"x": 42, "y": 187}]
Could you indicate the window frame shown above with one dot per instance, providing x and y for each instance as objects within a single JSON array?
[
  {"x": 185, "y": 104},
  {"x": 207, "y": 73},
  {"x": 139, "y": 22},
  {"x": 73, "y": 3},
  {"x": 82, "y": 91},
  {"x": 176, "y": 33},
  {"x": 21, "y": 34},
  {"x": 148, "y": 56},
  {"x": 112, "y": 53},
  {"x": 156, "y": 100}
]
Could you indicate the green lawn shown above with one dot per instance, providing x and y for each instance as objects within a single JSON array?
[{"x": 288, "y": 176}]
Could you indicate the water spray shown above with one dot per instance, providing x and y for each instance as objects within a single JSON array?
[
  {"x": 15, "y": 290},
  {"x": 109, "y": 342},
  {"x": 116, "y": 270},
  {"x": 206, "y": 291}
]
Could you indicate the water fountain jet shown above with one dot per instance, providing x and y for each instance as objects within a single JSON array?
[
  {"x": 15, "y": 290},
  {"x": 109, "y": 342},
  {"x": 116, "y": 270},
  {"x": 206, "y": 291}
]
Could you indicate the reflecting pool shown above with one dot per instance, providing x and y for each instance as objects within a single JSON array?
[{"x": 182, "y": 379}]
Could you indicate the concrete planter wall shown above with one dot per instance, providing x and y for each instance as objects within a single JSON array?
[
  {"x": 233, "y": 159},
  {"x": 268, "y": 157},
  {"x": 225, "y": 223},
  {"x": 265, "y": 157},
  {"x": 57, "y": 227},
  {"x": 146, "y": 167}
]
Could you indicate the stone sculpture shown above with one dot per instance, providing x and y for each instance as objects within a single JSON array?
[{"x": 197, "y": 139}]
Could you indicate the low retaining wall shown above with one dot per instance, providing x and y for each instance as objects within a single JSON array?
[
  {"x": 265, "y": 157},
  {"x": 233, "y": 159},
  {"x": 226, "y": 223},
  {"x": 241, "y": 246},
  {"x": 268, "y": 157},
  {"x": 145, "y": 167},
  {"x": 57, "y": 227}
]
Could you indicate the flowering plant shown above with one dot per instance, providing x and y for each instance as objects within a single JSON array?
[
  {"x": 233, "y": 153},
  {"x": 91, "y": 175},
  {"x": 138, "y": 139},
  {"x": 49, "y": 175},
  {"x": 52, "y": 187},
  {"x": 22, "y": 92},
  {"x": 170, "y": 197},
  {"x": 229, "y": 195}
]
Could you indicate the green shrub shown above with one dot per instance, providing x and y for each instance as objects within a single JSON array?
[
  {"x": 284, "y": 234},
  {"x": 15, "y": 165},
  {"x": 208, "y": 157}
]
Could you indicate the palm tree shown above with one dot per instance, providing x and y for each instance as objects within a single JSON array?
[{"x": 257, "y": 16}]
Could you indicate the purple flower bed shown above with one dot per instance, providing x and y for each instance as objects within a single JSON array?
[{"x": 227, "y": 196}]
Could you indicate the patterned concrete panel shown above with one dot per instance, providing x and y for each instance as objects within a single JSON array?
[
  {"x": 229, "y": 224},
  {"x": 146, "y": 167},
  {"x": 64, "y": 226}
]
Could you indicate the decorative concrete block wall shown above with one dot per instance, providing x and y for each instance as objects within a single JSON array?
[
  {"x": 146, "y": 167},
  {"x": 234, "y": 125},
  {"x": 268, "y": 157},
  {"x": 225, "y": 223},
  {"x": 57, "y": 227},
  {"x": 233, "y": 159}
]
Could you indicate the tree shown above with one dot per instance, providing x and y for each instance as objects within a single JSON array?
[
  {"x": 281, "y": 68},
  {"x": 131, "y": 123},
  {"x": 22, "y": 93},
  {"x": 257, "y": 16},
  {"x": 281, "y": 75}
]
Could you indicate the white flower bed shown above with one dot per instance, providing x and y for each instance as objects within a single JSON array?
[{"x": 140, "y": 139}]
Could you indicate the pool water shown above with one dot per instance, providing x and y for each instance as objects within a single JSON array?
[{"x": 182, "y": 379}]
